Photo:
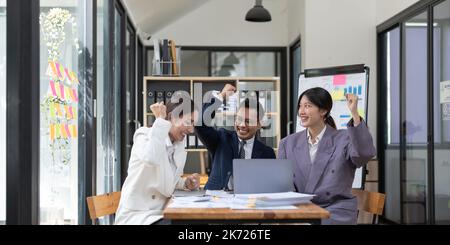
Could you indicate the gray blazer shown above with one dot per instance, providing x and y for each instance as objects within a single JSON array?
[{"x": 331, "y": 175}]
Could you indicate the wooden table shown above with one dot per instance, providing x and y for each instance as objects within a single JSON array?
[{"x": 306, "y": 213}]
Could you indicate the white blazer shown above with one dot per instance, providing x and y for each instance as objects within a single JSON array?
[{"x": 151, "y": 179}]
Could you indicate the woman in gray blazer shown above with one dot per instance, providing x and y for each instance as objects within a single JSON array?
[{"x": 325, "y": 159}]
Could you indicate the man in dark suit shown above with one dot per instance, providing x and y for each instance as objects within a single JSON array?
[{"x": 225, "y": 145}]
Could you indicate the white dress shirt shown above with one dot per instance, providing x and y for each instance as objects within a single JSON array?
[
  {"x": 248, "y": 149},
  {"x": 314, "y": 146}
]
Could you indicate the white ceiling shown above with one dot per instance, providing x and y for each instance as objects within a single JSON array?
[{"x": 151, "y": 16}]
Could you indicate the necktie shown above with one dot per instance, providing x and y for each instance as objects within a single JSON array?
[{"x": 241, "y": 149}]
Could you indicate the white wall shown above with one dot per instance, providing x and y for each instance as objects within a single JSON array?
[
  {"x": 388, "y": 8},
  {"x": 222, "y": 23}
]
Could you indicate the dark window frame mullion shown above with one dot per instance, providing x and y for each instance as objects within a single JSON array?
[{"x": 23, "y": 113}]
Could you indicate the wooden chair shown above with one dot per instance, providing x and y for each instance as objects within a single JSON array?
[
  {"x": 103, "y": 205},
  {"x": 370, "y": 202}
]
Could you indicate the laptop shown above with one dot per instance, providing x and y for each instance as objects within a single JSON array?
[{"x": 262, "y": 176}]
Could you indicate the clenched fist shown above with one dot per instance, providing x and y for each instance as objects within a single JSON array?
[{"x": 159, "y": 110}]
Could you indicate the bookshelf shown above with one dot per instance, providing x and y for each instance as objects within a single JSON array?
[{"x": 267, "y": 90}]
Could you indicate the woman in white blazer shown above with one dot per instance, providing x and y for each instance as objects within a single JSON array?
[{"x": 156, "y": 165}]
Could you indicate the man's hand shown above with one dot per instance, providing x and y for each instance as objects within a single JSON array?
[
  {"x": 159, "y": 110},
  {"x": 192, "y": 182},
  {"x": 228, "y": 90}
]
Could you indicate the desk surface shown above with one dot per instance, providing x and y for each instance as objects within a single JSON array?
[{"x": 305, "y": 211}]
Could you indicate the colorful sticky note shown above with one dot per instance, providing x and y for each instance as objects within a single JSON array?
[
  {"x": 52, "y": 110},
  {"x": 61, "y": 87},
  {"x": 74, "y": 131},
  {"x": 52, "y": 88},
  {"x": 57, "y": 131},
  {"x": 66, "y": 110},
  {"x": 74, "y": 77},
  {"x": 66, "y": 128},
  {"x": 61, "y": 71},
  {"x": 58, "y": 109},
  {"x": 75, "y": 97},
  {"x": 63, "y": 132},
  {"x": 68, "y": 94},
  {"x": 74, "y": 113},
  {"x": 52, "y": 132},
  {"x": 70, "y": 112},
  {"x": 53, "y": 67},
  {"x": 337, "y": 95},
  {"x": 340, "y": 80},
  {"x": 66, "y": 72},
  {"x": 58, "y": 70}
]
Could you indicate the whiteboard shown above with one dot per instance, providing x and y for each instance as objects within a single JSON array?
[{"x": 338, "y": 85}]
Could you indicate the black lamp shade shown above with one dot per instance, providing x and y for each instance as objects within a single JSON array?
[{"x": 258, "y": 14}]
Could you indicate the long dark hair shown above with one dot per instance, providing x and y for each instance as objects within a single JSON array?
[{"x": 322, "y": 99}]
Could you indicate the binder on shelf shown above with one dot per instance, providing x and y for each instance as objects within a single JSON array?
[
  {"x": 168, "y": 96},
  {"x": 150, "y": 100},
  {"x": 159, "y": 96}
]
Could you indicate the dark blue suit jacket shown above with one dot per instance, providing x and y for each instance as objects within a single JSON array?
[{"x": 224, "y": 147}]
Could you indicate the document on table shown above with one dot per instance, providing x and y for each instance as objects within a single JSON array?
[{"x": 222, "y": 199}]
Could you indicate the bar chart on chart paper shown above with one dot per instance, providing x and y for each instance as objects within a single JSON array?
[{"x": 338, "y": 86}]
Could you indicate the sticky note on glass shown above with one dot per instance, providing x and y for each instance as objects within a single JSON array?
[
  {"x": 57, "y": 131},
  {"x": 339, "y": 80},
  {"x": 63, "y": 132},
  {"x": 74, "y": 131},
  {"x": 52, "y": 88},
  {"x": 66, "y": 128},
  {"x": 58, "y": 70},
  {"x": 52, "y": 110},
  {"x": 52, "y": 132},
  {"x": 337, "y": 95},
  {"x": 66, "y": 71},
  {"x": 75, "y": 97},
  {"x": 58, "y": 109},
  {"x": 61, "y": 87},
  {"x": 53, "y": 67},
  {"x": 68, "y": 94}
]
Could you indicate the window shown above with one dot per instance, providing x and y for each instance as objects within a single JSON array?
[
  {"x": 441, "y": 54},
  {"x": 62, "y": 79},
  {"x": 3, "y": 111},
  {"x": 413, "y": 114},
  {"x": 244, "y": 64},
  {"x": 414, "y": 168},
  {"x": 390, "y": 46}
]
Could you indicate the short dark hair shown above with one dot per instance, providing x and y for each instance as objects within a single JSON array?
[{"x": 250, "y": 104}]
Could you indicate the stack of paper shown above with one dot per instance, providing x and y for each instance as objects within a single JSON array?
[{"x": 283, "y": 199}]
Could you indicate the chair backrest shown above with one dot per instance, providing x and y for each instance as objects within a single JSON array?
[
  {"x": 370, "y": 202},
  {"x": 102, "y": 205}
]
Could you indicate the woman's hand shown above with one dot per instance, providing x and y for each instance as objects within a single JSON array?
[
  {"x": 352, "y": 103},
  {"x": 192, "y": 182},
  {"x": 159, "y": 110}
]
